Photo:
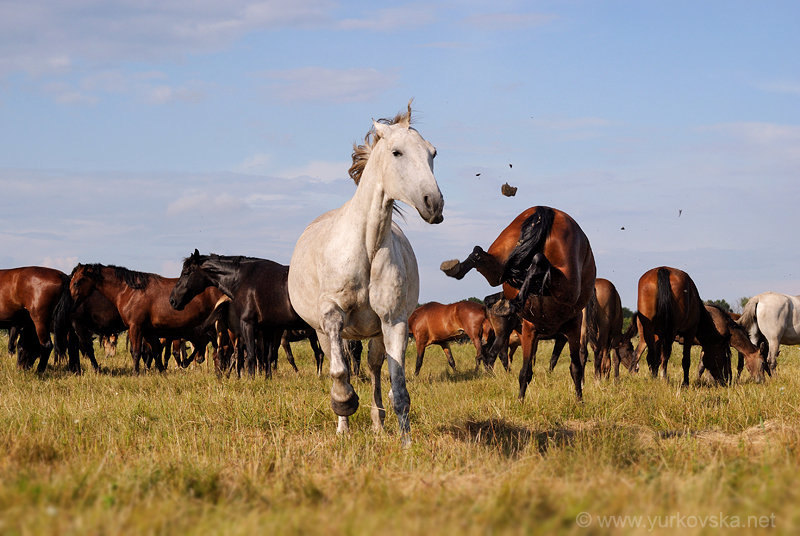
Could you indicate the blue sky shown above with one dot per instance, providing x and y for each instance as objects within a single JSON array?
[{"x": 132, "y": 132}]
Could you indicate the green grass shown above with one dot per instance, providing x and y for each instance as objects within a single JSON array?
[{"x": 186, "y": 452}]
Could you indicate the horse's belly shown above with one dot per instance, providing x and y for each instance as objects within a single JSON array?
[{"x": 547, "y": 315}]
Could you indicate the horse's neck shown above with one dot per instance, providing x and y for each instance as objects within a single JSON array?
[
  {"x": 112, "y": 288},
  {"x": 225, "y": 278},
  {"x": 368, "y": 215}
]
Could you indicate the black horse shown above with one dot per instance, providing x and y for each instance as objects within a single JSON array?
[{"x": 259, "y": 299}]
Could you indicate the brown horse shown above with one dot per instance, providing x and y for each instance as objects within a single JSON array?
[
  {"x": 669, "y": 305},
  {"x": 37, "y": 297},
  {"x": 737, "y": 337},
  {"x": 95, "y": 315},
  {"x": 545, "y": 263},
  {"x": 437, "y": 323},
  {"x": 142, "y": 300}
]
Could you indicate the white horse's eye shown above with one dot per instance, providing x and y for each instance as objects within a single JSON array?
[{"x": 397, "y": 153}]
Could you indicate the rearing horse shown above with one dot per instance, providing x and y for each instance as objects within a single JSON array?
[
  {"x": 353, "y": 274},
  {"x": 546, "y": 266}
]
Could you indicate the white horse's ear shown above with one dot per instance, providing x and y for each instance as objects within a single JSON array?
[{"x": 381, "y": 129}]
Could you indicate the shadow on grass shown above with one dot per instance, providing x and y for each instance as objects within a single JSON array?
[{"x": 509, "y": 439}]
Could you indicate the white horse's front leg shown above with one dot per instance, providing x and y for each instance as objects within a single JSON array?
[
  {"x": 344, "y": 399},
  {"x": 395, "y": 339}
]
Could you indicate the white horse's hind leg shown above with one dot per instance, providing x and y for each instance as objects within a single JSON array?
[
  {"x": 395, "y": 338},
  {"x": 375, "y": 357},
  {"x": 344, "y": 399},
  {"x": 774, "y": 350}
]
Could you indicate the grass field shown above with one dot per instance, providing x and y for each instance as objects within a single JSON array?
[{"x": 186, "y": 452}]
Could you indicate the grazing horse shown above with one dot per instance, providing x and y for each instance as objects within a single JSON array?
[
  {"x": 436, "y": 323},
  {"x": 259, "y": 297},
  {"x": 602, "y": 329},
  {"x": 669, "y": 305},
  {"x": 353, "y": 273},
  {"x": 775, "y": 318},
  {"x": 546, "y": 266},
  {"x": 142, "y": 300},
  {"x": 41, "y": 296},
  {"x": 737, "y": 337}
]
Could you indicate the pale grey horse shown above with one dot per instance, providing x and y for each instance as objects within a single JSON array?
[
  {"x": 353, "y": 274},
  {"x": 774, "y": 316}
]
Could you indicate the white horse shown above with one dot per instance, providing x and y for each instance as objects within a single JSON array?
[
  {"x": 353, "y": 274},
  {"x": 774, "y": 316}
]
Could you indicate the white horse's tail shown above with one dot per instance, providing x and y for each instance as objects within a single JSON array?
[{"x": 748, "y": 319}]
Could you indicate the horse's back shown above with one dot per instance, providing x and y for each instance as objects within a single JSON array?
[
  {"x": 778, "y": 317},
  {"x": 29, "y": 287}
]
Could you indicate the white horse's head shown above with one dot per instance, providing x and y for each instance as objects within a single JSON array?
[{"x": 404, "y": 162}]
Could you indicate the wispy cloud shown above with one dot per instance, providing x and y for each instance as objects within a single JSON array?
[
  {"x": 788, "y": 88},
  {"x": 318, "y": 170},
  {"x": 322, "y": 84},
  {"x": 45, "y": 37},
  {"x": 508, "y": 21},
  {"x": 205, "y": 203},
  {"x": 392, "y": 19}
]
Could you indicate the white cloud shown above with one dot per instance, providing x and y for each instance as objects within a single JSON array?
[
  {"x": 164, "y": 94},
  {"x": 392, "y": 19},
  {"x": 41, "y": 36},
  {"x": 322, "y": 84},
  {"x": 205, "y": 203},
  {"x": 508, "y": 21},
  {"x": 257, "y": 164},
  {"x": 788, "y": 88},
  {"x": 319, "y": 170},
  {"x": 65, "y": 264}
]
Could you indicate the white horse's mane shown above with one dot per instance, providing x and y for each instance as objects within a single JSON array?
[{"x": 361, "y": 152}]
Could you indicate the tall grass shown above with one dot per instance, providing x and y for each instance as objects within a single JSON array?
[{"x": 187, "y": 452}]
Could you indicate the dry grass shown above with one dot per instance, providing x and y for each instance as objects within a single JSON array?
[{"x": 186, "y": 452}]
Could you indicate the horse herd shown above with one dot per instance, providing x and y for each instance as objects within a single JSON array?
[{"x": 353, "y": 275}]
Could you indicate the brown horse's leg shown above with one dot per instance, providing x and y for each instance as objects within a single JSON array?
[
  {"x": 135, "y": 339},
  {"x": 287, "y": 347},
  {"x": 701, "y": 367},
  {"x": 450, "y": 361},
  {"x": 530, "y": 344},
  {"x": 615, "y": 362},
  {"x": 558, "y": 345},
  {"x": 598, "y": 361},
  {"x": 43, "y": 334},
  {"x": 576, "y": 367},
  {"x": 422, "y": 343}
]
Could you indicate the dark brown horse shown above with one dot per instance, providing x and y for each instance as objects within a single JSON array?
[
  {"x": 258, "y": 294},
  {"x": 437, "y": 323},
  {"x": 37, "y": 297},
  {"x": 737, "y": 337},
  {"x": 95, "y": 315},
  {"x": 602, "y": 330},
  {"x": 142, "y": 300},
  {"x": 546, "y": 266},
  {"x": 669, "y": 305}
]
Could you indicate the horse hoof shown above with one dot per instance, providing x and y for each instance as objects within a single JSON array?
[
  {"x": 451, "y": 268},
  {"x": 347, "y": 407}
]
